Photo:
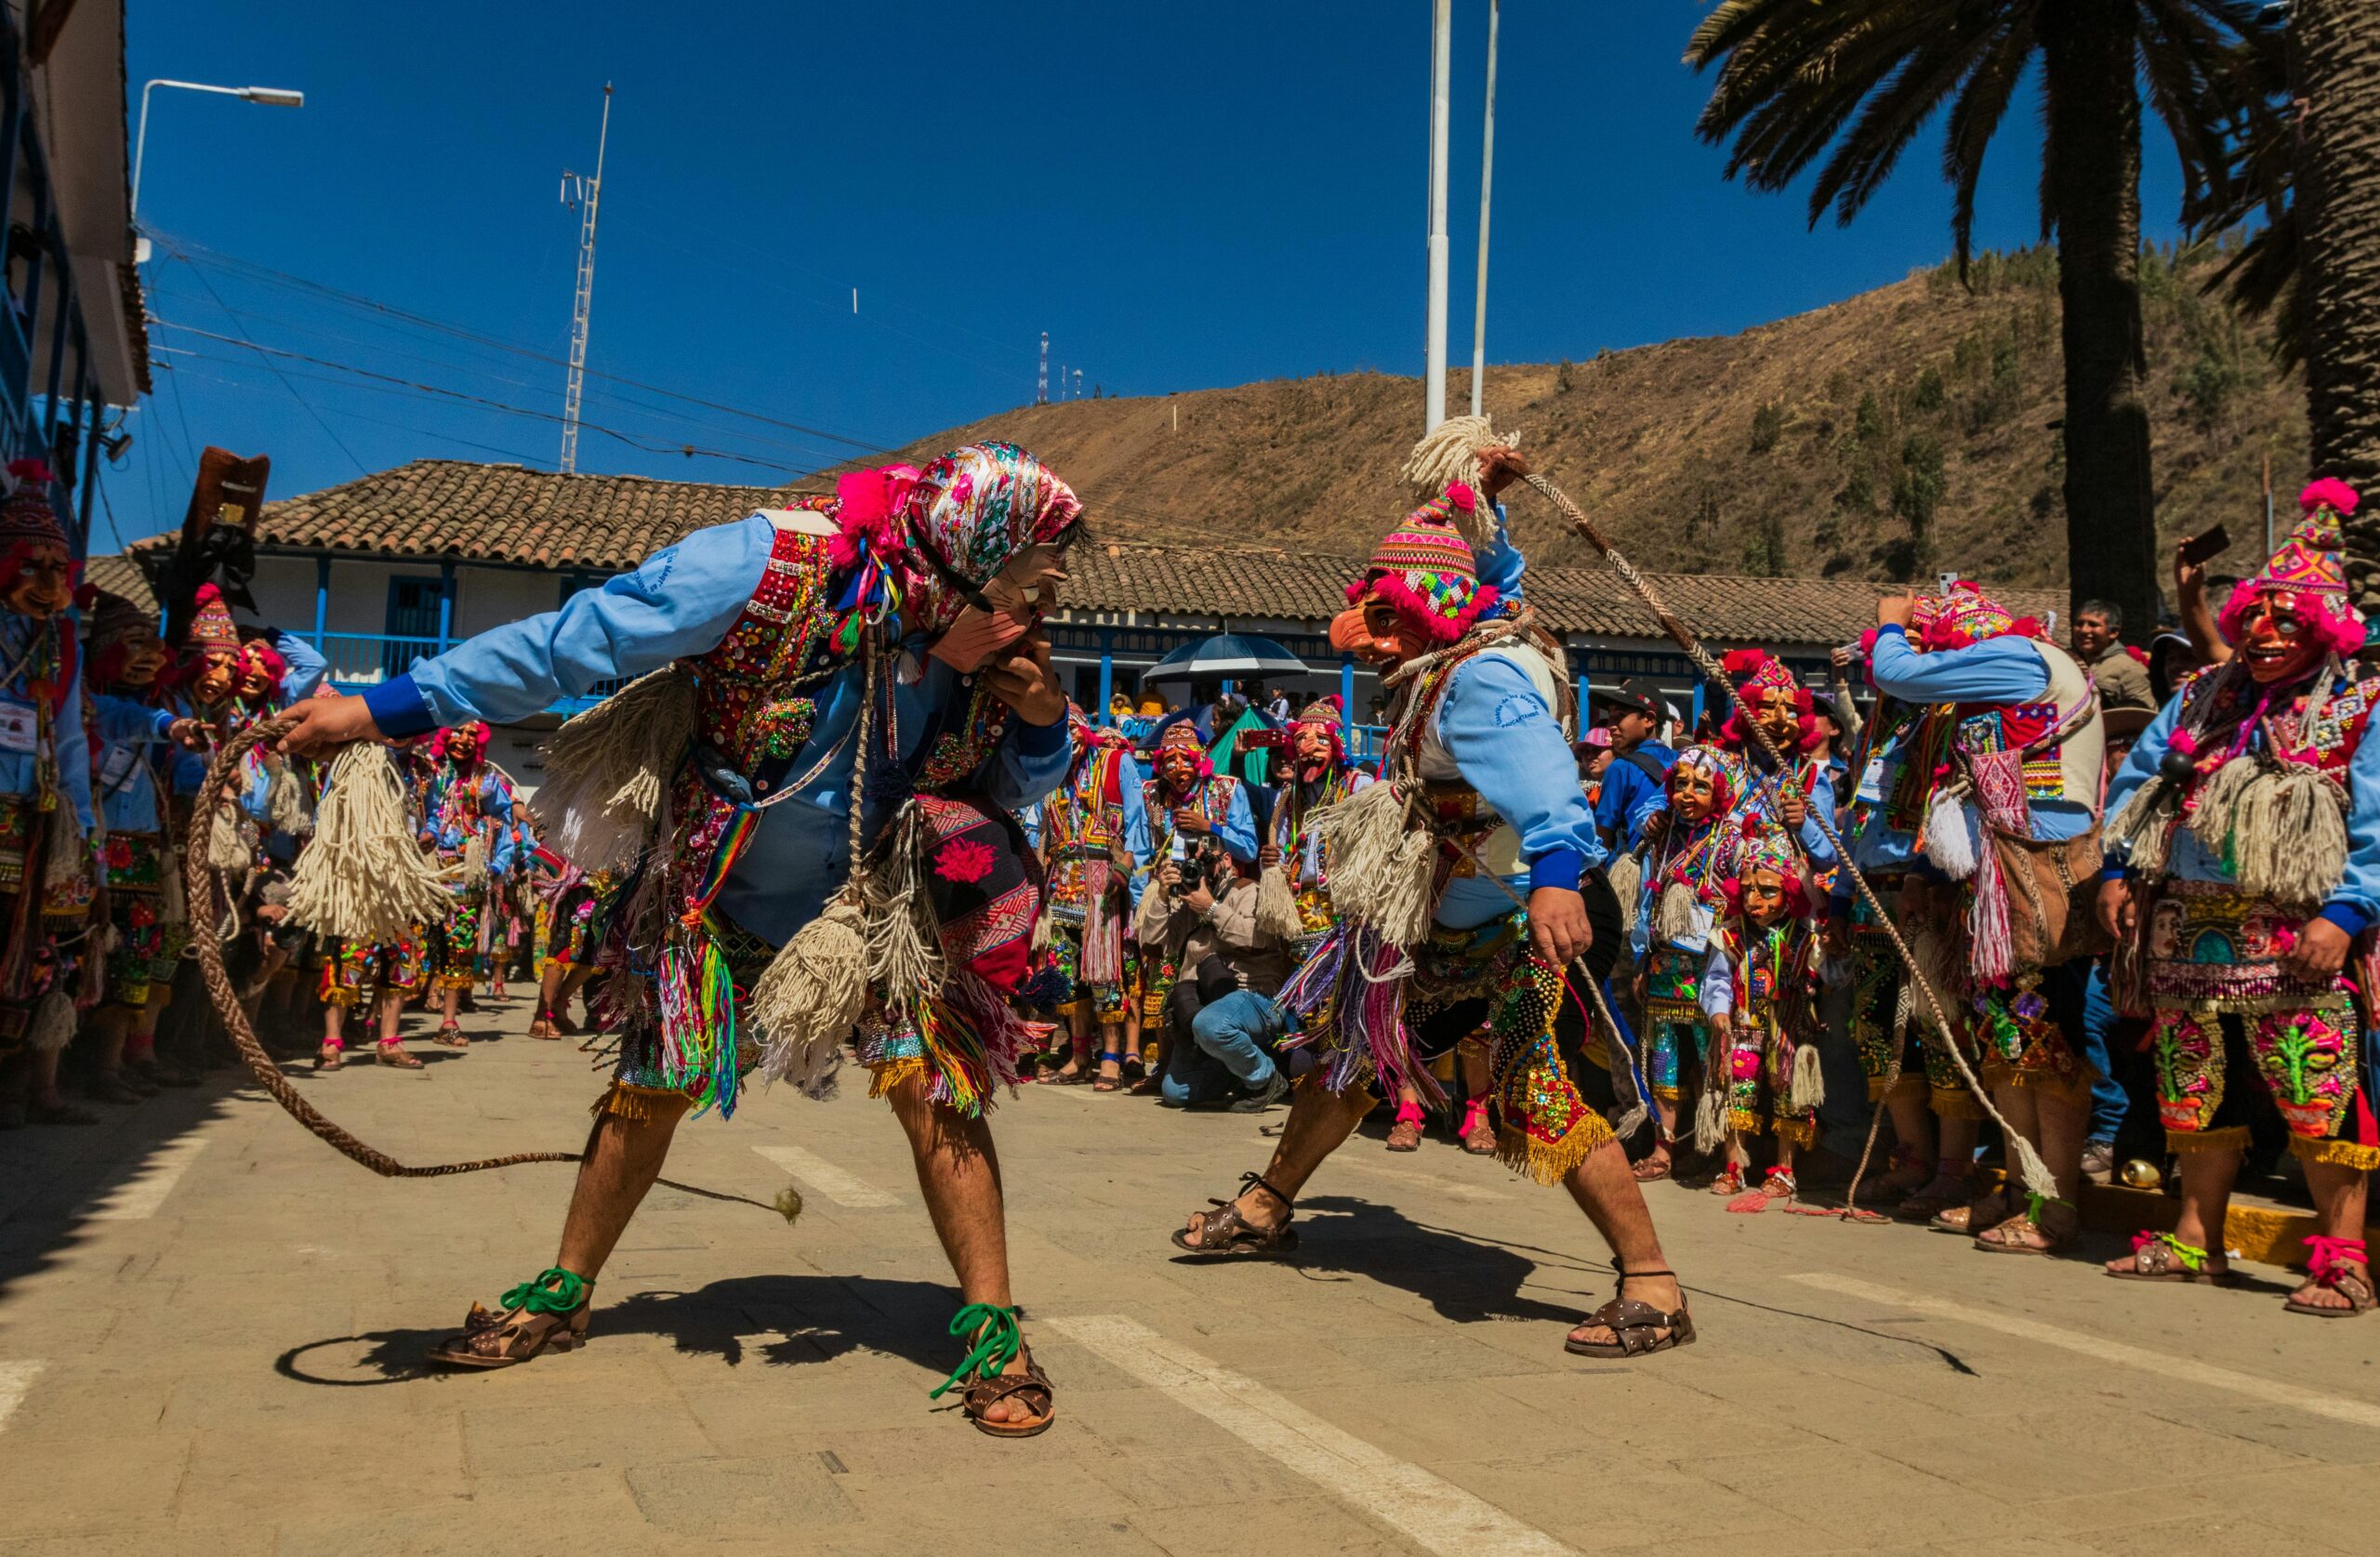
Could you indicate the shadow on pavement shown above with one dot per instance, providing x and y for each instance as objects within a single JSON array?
[
  {"x": 1465, "y": 1279},
  {"x": 782, "y": 1319}
]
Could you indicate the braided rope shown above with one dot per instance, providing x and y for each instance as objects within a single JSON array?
[
  {"x": 2031, "y": 1169},
  {"x": 199, "y": 877}
]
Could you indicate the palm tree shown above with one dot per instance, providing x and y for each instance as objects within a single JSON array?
[
  {"x": 1848, "y": 85},
  {"x": 2335, "y": 50}
]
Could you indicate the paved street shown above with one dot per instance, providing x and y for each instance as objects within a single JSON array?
[{"x": 209, "y": 1323}]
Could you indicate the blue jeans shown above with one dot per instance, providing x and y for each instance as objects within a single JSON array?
[
  {"x": 2109, "y": 1099},
  {"x": 1230, "y": 1050}
]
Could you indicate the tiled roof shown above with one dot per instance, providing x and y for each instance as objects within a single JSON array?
[
  {"x": 1308, "y": 585},
  {"x": 119, "y": 575},
  {"x": 506, "y": 513}
]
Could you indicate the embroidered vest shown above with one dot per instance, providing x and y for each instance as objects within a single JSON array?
[{"x": 1461, "y": 813}]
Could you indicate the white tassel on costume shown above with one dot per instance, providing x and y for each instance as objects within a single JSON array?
[
  {"x": 2141, "y": 831},
  {"x": 475, "y": 861},
  {"x": 1626, "y": 874},
  {"x": 1953, "y": 838},
  {"x": 904, "y": 960},
  {"x": 608, "y": 770},
  {"x": 53, "y": 1024},
  {"x": 1451, "y": 454},
  {"x": 1674, "y": 913},
  {"x": 1710, "y": 1108},
  {"x": 1276, "y": 905},
  {"x": 285, "y": 803},
  {"x": 64, "y": 857},
  {"x": 2283, "y": 828},
  {"x": 1381, "y": 869},
  {"x": 364, "y": 877},
  {"x": 810, "y": 997},
  {"x": 1806, "y": 1087},
  {"x": 230, "y": 844}
]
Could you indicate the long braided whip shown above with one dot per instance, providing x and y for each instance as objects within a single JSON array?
[
  {"x": 199, "y": 879},
  {"x": 2030, "y": 1168}
]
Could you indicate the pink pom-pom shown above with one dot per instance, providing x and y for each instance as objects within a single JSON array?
[
  {"x": 2183, "y": 741},
  {"x": 2328, "y": 493},
  {"x": 1461, "y": 496},
  {"x": 2283, "y": 938},
  {"x": 33, "y": 470}
]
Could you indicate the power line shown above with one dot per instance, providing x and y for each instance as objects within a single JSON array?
[
  {"x": 375, "y": 421},
  {"x": 402, "y": 386},
  {"x": 327, "y": 432},
  {"x": 498, "y": 343}
]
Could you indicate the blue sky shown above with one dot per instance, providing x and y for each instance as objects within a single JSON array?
[{"x": 1184, "y": 197}]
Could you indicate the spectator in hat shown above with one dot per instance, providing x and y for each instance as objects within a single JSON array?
[{"x": 1632, "y": 784}]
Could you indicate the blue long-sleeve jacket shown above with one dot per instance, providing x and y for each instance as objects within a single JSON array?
[
  {"x": 681, "y": 600},
  {"x": 1507, "y": 745},
  {"x": 307, "y": 666},
  {"x": 2352, "y": 906},
  {"x": 1630, "y": 796},
  {"x": 125, "y": 783}
]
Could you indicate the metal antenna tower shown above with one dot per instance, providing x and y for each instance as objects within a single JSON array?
[
  {"x": 1041, "y": 390},
  {"x": 588, "y": 195}
]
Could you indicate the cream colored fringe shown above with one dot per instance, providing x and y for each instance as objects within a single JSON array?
[
  {"x": 53, "y": 1023},
  {"x": 229, "y": 845},
  {"x": 1806, "y": 1089},
  {"x": 1381, "y": 869},
  {"x": 364, "y": 877},
  {"x": 64, "y": 857},
  {"x": 1626, "y": 874},
  {"x": 1451, "y": 454},
  {"x": 810, "y": 997},
  {"x": 1710, "y": 1108},
  {"x": 2141, "y": 832},
  {"x": 1952, "y": 839},
  {"x": 2282, "y": 827},
  {"x": 285, "y": 802},
  {"x": 608, "y": 771},
  {"x": 1673, "y": 914},
  {"x": 1276, "y": 903},
  {"x": 904, "y": 960}
]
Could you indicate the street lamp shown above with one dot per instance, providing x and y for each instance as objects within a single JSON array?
[{"x": 273, "y": 96}]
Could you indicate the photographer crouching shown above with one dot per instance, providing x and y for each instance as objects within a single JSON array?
[{"x": 1221, "y": 1027}]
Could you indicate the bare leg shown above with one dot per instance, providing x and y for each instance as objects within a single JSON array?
[
  {"x": 1615, "y": 1203},
  {"x": 1914, "y": 1129},
  {"x": 109, "y": 1027},
  {"x": 2206, "y": 1180},
  {"x": 2340, "y": 1193},
  {"x": 622, "y": 1159},
  {"x": 959, "y": 1175},
  {"x": 1320, "y": 1122}
]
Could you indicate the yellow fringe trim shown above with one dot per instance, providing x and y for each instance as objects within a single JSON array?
[
  {"x": 1667, "y": 1094},
  {"x": 2069, "y": 1089},
  {"x": 890, "y": 1074},
  {"x": 635, "y": 1105},
  {"x": 1955, "y": 1103},
  {"x": 1796, "y": 1133},
  {"x": 2346, "y": 1154},
  {"x": 2230, "y": 1138},
  {"x": 1550, "y": 1162},
  {"x": 1908, "y": 1086}
]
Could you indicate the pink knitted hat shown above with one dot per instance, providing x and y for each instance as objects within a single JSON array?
[{"x": 1425, "y": 569}]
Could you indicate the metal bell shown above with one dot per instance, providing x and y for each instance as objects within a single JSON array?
[
  {"x": 2176, "y": 768},
  {"x": 2140, "y": 1173}
]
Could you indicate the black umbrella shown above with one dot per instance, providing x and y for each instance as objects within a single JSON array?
[{"x": 1227, "y": 656}]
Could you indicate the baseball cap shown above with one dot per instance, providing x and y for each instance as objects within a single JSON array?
[{"x": 1635, "y": 694}]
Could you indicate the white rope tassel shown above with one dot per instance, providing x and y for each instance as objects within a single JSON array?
[
  {"x": 1953, "y": 838},
  {"x": 1276, "y": 905},
  {"x": 364, "y": 877},
  {"x": 1626, "y": 874},
  {"x": 1673, "y": 914},
  {"x": 1806, "y": 1087},
  {"x": 285, "y": 802},
  {"x": 1381, "y": 869},
  {"x": 608, "y": 770},
  {"x": 1451, "y": 454},
  {"x": 2141, "y": 832},
  {"x": 810, "y": 997}
]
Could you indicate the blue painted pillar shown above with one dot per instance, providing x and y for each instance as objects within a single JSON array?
[
  {"x": 1106, "y": 675},
  {"x": 321, "y": 599},
  {"x": 1699, "y": 689},
  {"x": 445, "y": 606},
  {"x": 1347, "y": 691},
  {"x": 1585, "y": 719}
]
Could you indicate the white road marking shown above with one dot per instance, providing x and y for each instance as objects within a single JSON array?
[
  {"x": 137, "y": 1199},
  {"x": 855, "y": 1195},
  {"x": 1430, "y": 1513},
  {"x": 2188, "y": 1371},
  {"x": 15, "y": 1379}
]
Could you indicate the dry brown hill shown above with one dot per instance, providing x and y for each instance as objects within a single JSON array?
[{"x": 1901, "y": 430}]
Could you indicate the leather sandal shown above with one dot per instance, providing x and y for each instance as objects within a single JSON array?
[
  {"x": 1638, "y": 1329},
  {"x": 1103, "y": 1082},
  {"x": 2338, "y": 1264},
  {"x": 330, "y": 1057},
  {"x": 2162, "y": 1256},
  {"x": 1988, "y": 1209},
  {"x": 998, "y": 1342},
  {"x": 450, "y": 1036},
  {"x": 1405, "y": 1136},
  {"x": 395, "y": 1054},
  {"x": 1478, "y": 1135},
  {"x": 505, "y": 1336},
  {"x": 2054, "y": 1222},
  {"x": 542, "y": 1026},
  {"x": 1226, "y": 1232}
]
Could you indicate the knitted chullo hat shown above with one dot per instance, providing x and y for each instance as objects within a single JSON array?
[
  {"x": 26, "y": 518},
  {"x": 2308, "y": 565},
  {"x": 1966, "y": 615},
  {"x": 1766, "y": 851},
  {"x": 1425, "y": 569},
  {"x": 211, "y": 628},
  {"x": 1322, "y": 710},
  {"x": 111, "y": 619},
  {"x": 1725, "y": 773},
  {"x": 1755, "y": 671}
]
